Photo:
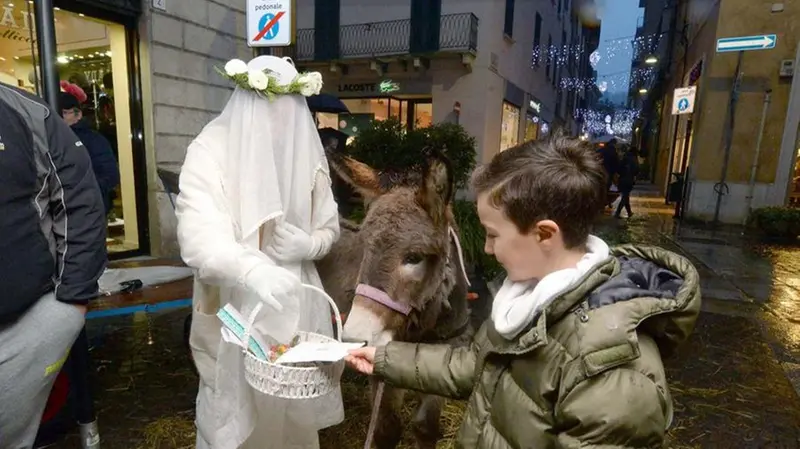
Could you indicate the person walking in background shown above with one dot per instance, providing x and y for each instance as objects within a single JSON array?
[
  {"x": 628, "y": 170},
  {"x": 52, "y": 252},
  {"x": 608, "y": 154},
  {"x": 104, "y": 165}
]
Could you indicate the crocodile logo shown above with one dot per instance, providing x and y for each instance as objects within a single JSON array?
[{"x": 388, "y": 86}]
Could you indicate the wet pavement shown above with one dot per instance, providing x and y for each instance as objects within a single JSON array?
[{"x": 730, "y": 382}]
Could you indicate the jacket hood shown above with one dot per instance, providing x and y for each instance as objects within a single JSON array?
[
  {"x": 646, "y": 290},
  {"x": 639, "y": 289}
]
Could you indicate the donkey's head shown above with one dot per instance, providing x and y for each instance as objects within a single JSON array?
[{"x": 404, "y": 273}]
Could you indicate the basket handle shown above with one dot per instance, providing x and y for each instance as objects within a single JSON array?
[{"x": 337, "y": 315}]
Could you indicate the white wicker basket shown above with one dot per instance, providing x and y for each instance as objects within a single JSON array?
[{"x": 291, "y": 382}]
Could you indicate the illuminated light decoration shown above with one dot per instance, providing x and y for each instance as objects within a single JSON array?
[
  {"x": 594, "y": 58},
  {"x": 562, "y": 54},
  {"x": 619, "y": 123},
  {"x": 603, "y": 86}
]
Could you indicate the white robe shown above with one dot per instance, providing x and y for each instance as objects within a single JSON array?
[{"x": 242, "y": 174}]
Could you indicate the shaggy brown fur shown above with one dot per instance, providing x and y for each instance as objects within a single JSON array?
[{"x": 405, "y": 230}]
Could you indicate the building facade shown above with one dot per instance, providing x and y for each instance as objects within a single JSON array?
[
  {"x": 494, "y": 66},
  {"x": 760, "y": 167},
  {"x": 149, "y": 71}
]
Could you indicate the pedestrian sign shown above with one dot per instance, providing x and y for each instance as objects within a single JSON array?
[
  {"x": 269, "y": 23},
  {"x": 683, "y": 100},
  {"x": 746, "y": 43}
]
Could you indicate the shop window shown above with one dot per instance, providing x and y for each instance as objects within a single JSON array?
[
  {"x": 531, "y": 127},
  {"x": 17, "y": 42},
  {"x": 378, "y": 107},
  {"x": 93, "y": 54},
  {"x": 364, "y": 110},
  {"x": 509, "y": 127},
  {"x": 423, "y": 115}
]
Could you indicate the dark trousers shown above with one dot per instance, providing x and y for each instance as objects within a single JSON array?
[{"x": 625, "y": 201}]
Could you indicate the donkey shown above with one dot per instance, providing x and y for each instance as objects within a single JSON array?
[{"x": 400, "y": 276}]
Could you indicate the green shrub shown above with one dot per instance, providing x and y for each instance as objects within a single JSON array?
[
  {"x": 386, "y": 144},
  {"x": 473, "y": 237},
  {"x": 775, "y": 223}
]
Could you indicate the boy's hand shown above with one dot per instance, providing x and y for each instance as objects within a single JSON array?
[{"x": 362, "y": 359}]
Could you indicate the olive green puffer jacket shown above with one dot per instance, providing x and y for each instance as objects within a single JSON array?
[{"x": 586, "y": 373}]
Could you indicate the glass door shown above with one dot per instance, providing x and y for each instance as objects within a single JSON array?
[{"x": 94, "y": 55}]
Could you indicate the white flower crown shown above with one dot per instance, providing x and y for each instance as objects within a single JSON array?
[{"x": 266, "y": 84}]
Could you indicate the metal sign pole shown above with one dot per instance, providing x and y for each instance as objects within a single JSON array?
[
  {"x": 721, "y": 188},
  {"x": 44, "y": 17}
]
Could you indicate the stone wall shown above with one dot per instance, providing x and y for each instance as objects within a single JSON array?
[{"x": 183, "y": 92}]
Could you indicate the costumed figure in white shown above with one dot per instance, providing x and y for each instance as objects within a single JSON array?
[{"x": 255, "y": 210}]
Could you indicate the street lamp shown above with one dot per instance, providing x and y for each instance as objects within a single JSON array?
[
  {"x": 642, "y": 91},
  {"x": 651, "y": 60}
]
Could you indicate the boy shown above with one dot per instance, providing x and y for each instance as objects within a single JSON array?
[{"x": 571, "y": 356}]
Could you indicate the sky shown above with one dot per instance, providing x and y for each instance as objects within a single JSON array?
[{"x": 618, "y": 28}]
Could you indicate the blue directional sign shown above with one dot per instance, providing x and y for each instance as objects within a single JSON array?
[
  {"x": 683, "y": 104},
  {"x": 746, "y": 43}
]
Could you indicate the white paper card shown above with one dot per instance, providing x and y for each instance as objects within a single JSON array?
[{"x": 317, "y": 352}]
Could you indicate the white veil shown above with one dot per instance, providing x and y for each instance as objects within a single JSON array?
[{"x": 256, "y": 141}]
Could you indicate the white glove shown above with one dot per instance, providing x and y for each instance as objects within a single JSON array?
[
  {"x": 291, "y": 244},
  {"x": 272, "y": 284}
]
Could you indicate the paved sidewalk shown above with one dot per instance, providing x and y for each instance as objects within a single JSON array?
[{"x": 739, "y": 276}]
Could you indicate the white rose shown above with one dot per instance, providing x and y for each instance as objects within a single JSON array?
[
  {"x": 235, "y": 67},
  {"x": 312, "y": 84},
  {"x": 257, "y": 79}
]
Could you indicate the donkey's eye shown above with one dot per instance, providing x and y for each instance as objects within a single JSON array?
[{"x": 413, "y": 259}]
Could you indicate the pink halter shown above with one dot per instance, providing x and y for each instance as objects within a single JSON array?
[{"x": 381, "y": 297}]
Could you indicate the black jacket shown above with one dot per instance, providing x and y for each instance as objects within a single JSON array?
[
  {"x": 52, "y": 223},
  {"x": 104, "y": 165},
  {"x": 628, "y": 171}
]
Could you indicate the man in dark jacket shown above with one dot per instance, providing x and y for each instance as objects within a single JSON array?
[
  {"x": 628, "y": 170},
  {"x": 608, "y": 154},
  {"x": 104, "y": 165},
  {"x": 52, "y": 252}
]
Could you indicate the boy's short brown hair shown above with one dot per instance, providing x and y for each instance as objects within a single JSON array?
[{"x": 559, "y": 179}]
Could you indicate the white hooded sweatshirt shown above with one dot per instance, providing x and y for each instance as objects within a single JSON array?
[{"x": 260, "y": 161}]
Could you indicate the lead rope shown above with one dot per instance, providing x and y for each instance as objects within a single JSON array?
[
  {"x": 373, "y": 419},
  {"x": 460, "y": 254}
]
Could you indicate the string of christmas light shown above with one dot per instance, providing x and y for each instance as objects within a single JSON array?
[
  {"x": 614, "y": 81},
  {"x": 561, "y": 55},
  {"x": 598, "y": 122}
]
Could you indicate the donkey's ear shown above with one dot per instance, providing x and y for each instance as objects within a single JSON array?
[
  {"x": 363, "y": 178},
  {"x": 436, "y": 191}
]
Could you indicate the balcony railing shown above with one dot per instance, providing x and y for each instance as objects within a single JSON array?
[{"x": 457, "y": 32}]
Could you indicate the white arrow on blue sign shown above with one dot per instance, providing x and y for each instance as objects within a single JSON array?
[{"x": 745, "y": 43}]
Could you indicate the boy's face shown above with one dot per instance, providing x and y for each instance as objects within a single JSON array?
[{"x": 524, "y": 256}]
